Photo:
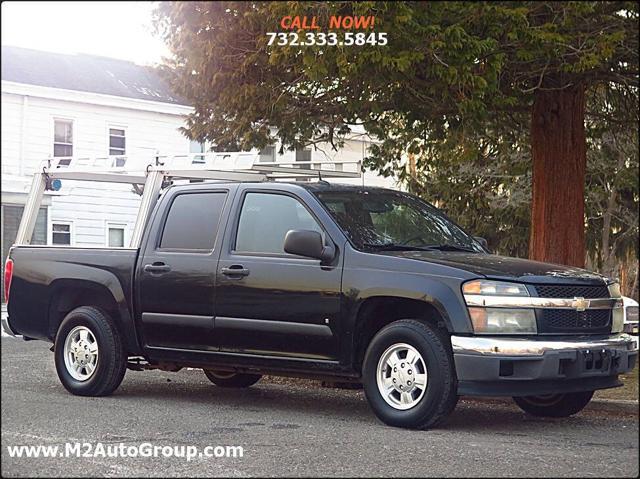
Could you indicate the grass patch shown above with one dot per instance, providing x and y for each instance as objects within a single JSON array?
[{"x": 628, "y": 391}]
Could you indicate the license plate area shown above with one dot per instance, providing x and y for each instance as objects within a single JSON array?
[{"x": 598, "y": 361}]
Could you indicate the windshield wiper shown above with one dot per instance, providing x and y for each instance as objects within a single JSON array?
[
  {"x": 407, "y": 247},
  {"x": 449, "y": 247},
  {"x": 396, "y": 247}
]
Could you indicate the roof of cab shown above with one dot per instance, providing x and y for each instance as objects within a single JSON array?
[
  {"x": 323, "y": 186},
  {"x": 313, "y": 187}
]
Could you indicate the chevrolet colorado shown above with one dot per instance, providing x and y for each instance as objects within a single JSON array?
[{"x": 329, "y": 281}]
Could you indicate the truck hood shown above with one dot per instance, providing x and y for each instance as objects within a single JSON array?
[{"x": 503, "y": 267}]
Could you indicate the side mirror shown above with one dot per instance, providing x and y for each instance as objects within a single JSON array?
[
  {"x": 308, "y": 243},
  {"x": 483, "y": 242}
]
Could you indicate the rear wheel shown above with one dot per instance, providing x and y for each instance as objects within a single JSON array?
[
  {"x": 231, "y": 380},
  {"x": 408, "y": 375},
  {"x": 89, "y": 354},
  {"x": 554, "y": 405}
]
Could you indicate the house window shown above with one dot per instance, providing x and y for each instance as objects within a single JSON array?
[
  {"x": 61, "y": 233},
  {"x": 304, "y": 155},
  {"x": 117, "y": 145},
  {"x": 115, "y": 236},
  {"x": 116, "y": 141},
  {"x": 62, "y": 138},
  {"x": 197, "y": 147},
  {"x": 268, "y": 154}
]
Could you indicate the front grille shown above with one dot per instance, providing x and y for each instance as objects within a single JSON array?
[
  {"x": 566, "y": 320},
  {"x": 569, "y": 321},
  {"x": 565, "y": 291}
]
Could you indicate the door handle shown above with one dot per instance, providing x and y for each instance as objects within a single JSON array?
[
  {"x": 235, "y": 270},
  {"x": 157, "y": 267}
]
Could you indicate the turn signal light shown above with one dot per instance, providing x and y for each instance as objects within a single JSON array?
[{"x": 478, "y": 318}]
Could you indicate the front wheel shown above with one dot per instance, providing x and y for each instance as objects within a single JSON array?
[
  {"x": 408, "y": 375},
  {"x": 231, "y": 380},
  {"x": 554, "y": 405}
]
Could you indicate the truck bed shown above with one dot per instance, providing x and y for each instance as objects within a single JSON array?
[{"x": 43, "y": 273}]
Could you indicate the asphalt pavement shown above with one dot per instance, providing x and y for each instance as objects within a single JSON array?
[{"x": 288, "y": 429}]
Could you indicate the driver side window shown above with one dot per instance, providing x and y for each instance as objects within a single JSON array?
[{"x": 265, "y": 219}]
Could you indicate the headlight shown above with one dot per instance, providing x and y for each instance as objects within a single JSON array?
[
  {"x": 503, "y": 321},
  {"x": 614, "y": 290},
  {"x": 494, "y": 288},
  {"x": 617, "y": 321},
  {"x": 631, "y": 320},
  {"x": 499, "y": 320},
  {"x": 617, "y": 315}
]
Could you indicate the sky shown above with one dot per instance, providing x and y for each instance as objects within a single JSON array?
[{"x": 113, "y": 29}]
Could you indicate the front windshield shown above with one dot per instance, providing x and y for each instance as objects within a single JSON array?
[{"x": 392, "y": 220}]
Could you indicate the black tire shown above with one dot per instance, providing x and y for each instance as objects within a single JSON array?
[
  {"x": 453, "y": 404},
  {"x": 231, "y": 380},
  {"x": 440, "y": 395},
  {"x": 554, "y": 405},
  {"x": 111, "y": 361}
]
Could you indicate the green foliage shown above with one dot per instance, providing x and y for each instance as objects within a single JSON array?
[
  {"x": 453, "y": 88},
  {"x": 612, "y": 180},
  {"x": 489, "y": 191}
]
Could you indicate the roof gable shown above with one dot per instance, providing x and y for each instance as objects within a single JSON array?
[{"x": 87, "y": 73}]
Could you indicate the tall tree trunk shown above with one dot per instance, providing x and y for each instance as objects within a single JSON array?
[{"x": 559, "y": 150}]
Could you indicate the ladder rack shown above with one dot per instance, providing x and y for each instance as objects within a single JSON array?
[{"x": 232, "y": 166}]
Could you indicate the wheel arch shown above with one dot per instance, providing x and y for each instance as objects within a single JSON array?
[
  {"x": 376, "y": 312},
  {"x": 413, "y": 293},
  {"x": 67, "y": 294}
]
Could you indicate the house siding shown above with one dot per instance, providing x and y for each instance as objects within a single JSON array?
[
  {"x": 27, "y": 139},
  {"x": 11, "y": 133}
]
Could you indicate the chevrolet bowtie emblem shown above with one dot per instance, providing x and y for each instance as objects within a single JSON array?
[{"x": 580, "y": 304}]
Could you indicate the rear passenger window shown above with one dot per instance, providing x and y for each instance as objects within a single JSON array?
[
  {"x": 192, "y": 222},
  {"x": 265, "y": 219}
]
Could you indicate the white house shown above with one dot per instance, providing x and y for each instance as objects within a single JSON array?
[{"x": 88, "y": 106}]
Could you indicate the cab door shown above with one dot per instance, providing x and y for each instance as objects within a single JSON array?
[
  {"x": 270, "y": 302},
  {"x": 177, "y": 269}
]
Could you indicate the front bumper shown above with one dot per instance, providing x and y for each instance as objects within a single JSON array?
[{"x": 491, "y": 366}]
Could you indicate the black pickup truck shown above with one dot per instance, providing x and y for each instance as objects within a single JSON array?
[{"x": 327, "y": 281}]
